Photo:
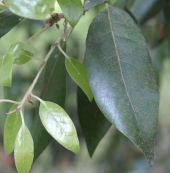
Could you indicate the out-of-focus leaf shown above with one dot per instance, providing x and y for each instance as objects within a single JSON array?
[
  {"x": 20, "y": 52},
  {"x": 59, "y": 125},
  {"x": 7, "y": 22},
  {"x": 122, "y": 78},
  {"x": 93, "y": 124},
  {"x": 37, "y": 9},
  {"x": 12, "y": 126},
  {"x": 72, "y": 10},
  {"x": 2, "y": 7},
  {"x": 88, "y": 4},
  {"x": 53, "y": 89},
  {"x": 6, "y": 65},
  {"x": 24, "y": 150},
  {"x": 167, "y": 18},
  {"x": 144, "y": 10},
  {"x": 78, "y": 73}
]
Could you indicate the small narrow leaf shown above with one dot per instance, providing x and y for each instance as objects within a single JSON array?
[
  {"x": 72, "y": 10},
  {"x": 122, "y": 77},
  {"x": 8, "y": 21},
  {"x": 24, "y": 150},
  {"x": 37, "y": 9},
  {"x": 93, "y": 123},
  {"x": 21, "y": 52},
  {"x": 12, "y": 126},
  {"x": 59, "y": 125},
  {"x": 78, "y": 73},
  {"x": 6, "y": 65}
]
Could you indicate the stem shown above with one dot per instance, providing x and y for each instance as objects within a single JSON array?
[
  {"x": 39, "y": 99},
  {"x": 22, "y": 117},
  {"x": 62, "y": 51},
  {"x": 9, "y": 101},
  {"x": 37, "y": 33}
]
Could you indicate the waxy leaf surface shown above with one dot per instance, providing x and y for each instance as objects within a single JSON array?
[
  {"x": 59, "y": 125},
  {"x": 37, "y": 9},
  {"x": 122, "y": 78}
]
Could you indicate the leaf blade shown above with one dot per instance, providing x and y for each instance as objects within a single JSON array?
[
  {"x": 78, "y": 73},
  {"x": 126, "y": 77},
  {"x": 72, "y": 10},
  {"x": 58, "y": 124},
  {"x": 24, "y": 150},
  {"x": 12, "y": 126},
  {"x": 39, "y": 9}
]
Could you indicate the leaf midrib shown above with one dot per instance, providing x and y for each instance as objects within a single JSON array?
[{"x": 119, "y": 64}]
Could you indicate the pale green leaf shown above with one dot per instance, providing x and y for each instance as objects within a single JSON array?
[
  {"x": 78, "y": 73},
  {"x": 72, "y": 10},
  {"x": 59, "y": 125},
  {"x": 6, "y": 65},
  {"x": 122, "y": 77},
  {"x": 21, "y": 52},
  {"x": 12, "y": 126},
  {"x": 37, "y": 9},
  {"x": 24, "y": 150}
]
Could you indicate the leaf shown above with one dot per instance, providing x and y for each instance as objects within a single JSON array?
[
  {"x": 88, "y": 4},
  {"x": 59, "y": 125},
  {"x": 37, "y": 9},
  {"x": 53, "y": 89},
  {"x": 24, "y": 150},
  {"x": 6, "y": 65},
  {"x": 78, "y": 73},
  {"x": 121, "y": 77},
  {"x": 12, "y": 126},
  {"x": 72, "y": 10},
  {"x": 93, "y": 124},
  {"x": 20, "y": 52},
  {"x": 7, "y": 22}
]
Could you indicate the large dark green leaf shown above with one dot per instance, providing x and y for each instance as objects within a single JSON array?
[
  {"x": 53, "y": 89},
  {"x": 93, "y": 124},
  {"x": 122, "y": 78},
  {"x": 72, "y": 10},
  {"x": 37, "y": 9},
  {"x": 7, "y": 22}
]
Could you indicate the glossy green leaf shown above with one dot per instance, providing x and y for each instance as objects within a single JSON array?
[
  {"x": 12, "y": 126},
  {"x": 7, "y": 22},
  {"x": 59, "y": 125},
  {"x": 24, "y": 150},
  {"x": 37, "y": 9},
  {"x": 20, "y": 52},
  {"x": 6, "y": 65},
  {"x": 93, "y": 124},
  {"x": 121, "y": 77},
  {"x": 72, "y": 10},
  {"x": 78, "y": 73},
  {"x": 53, "y": 89}
]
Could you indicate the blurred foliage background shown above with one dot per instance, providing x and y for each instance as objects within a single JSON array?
[{"x": 115, "y": 154}]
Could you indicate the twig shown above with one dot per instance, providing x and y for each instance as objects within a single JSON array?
[{"x": 9, "y": 101}]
